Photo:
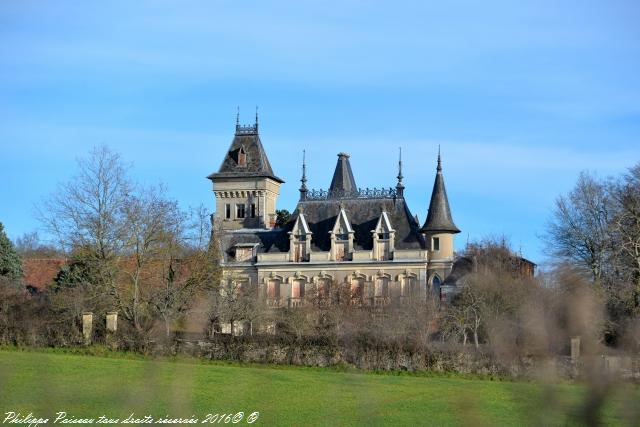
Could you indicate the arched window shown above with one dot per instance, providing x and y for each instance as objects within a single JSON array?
[{"x": 436, "y": 282}]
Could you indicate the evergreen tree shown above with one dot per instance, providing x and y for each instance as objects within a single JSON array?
[
  {"x": 282, "y": 217},
  {"x": 10, "y": 261}
]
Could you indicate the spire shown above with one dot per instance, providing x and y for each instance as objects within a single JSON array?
[
  {"x": 439, "y": 215},
  {"x": 303, "y": 187},
  {"x": 237, "y": 118},
  {"x": 256, "y": 118},
  {"x": 400, "y": 185},
  {"x": 343, "y": 184}
]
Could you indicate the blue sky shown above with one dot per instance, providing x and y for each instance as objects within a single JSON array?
[{"x": 521, "y": 96}]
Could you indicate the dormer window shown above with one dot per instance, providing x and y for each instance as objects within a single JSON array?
[
  {"x": 300, "y": 240},
  {"x": 245, "y": 252},
  {"x": 341, "y": 238},
  {"x": 383, "y": 238},
  {"x": 242, "y": 157}
]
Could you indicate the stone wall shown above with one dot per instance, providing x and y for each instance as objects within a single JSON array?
[{"x": 397, "y": 358}]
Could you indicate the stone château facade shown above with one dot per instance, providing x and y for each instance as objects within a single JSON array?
[{"x": 366, "y": 238}]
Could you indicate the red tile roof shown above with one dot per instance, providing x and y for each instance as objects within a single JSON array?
[{"x": 39, "y": 272}]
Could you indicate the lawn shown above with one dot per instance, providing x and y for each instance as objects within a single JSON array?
[{"x": 44, "y": 383}]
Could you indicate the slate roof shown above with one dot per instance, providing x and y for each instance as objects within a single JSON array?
[
  {"x": 343, "y": 181},
  {"x": 276, "y": 240},
  {"x": 461, "y": 267},
  {"x": 363, "y": 215},
  {"x": 321, "y": 215},
  {"x": 439, "y": 215},
  {"x": 257, "y": 162}
]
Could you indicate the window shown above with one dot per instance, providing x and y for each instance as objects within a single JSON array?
[
  {"x": 241, "y": 287},
  {"x": 242, "y": 157},
  {"x": 323, "y": 288},
  {"x": 302, "y": 237},
  {"x": 408, "y": 286},
  {"x": 356, "y": 288},
  {"x": 436, "y": 282},
  {"x": 244, "y": 254},
  {"x": 240, "y": 210},
  {"x": 297, "y": 289},
  {"x": 383, "y": 250},
  {"x": 253, "y": 210},
  {"x": 436, "y": 243},
  {"x": 227, "y": 211},
  {"x": 383, "y": 236},
  {"x": 299, "y": 253},
  {"x": 382, "y": 287},
  {"x": 342, "y": 237},
  {"x": 273, "y": 289}
]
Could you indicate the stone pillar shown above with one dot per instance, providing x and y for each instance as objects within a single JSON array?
[
  {"x": 575, "y": 348},
  {"x": 112, "y": 322},
  {"x": 87, "y": 326}
]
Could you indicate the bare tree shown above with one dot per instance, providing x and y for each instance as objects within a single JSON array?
[
  {"x": 456, "y": 323},
  {"x": 29, "y": 245},
  {"x": 580, "y": 226},
  {"x": 190, "y": 287},
  {"x": 472, "y": 303},
  {"x": 89, "y": 209},
  {"x": 237, "y": 301},
  {"x": 87, "y": 212},
  {"x": 626, "y": 226},
  {"x": 137, "y": 249},
  {"x": 153, "y": 232}
]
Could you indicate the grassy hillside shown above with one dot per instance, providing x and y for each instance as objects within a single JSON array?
[{"x": 90, "y": 386}]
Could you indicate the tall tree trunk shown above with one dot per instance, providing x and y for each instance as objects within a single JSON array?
[{"x": 136, "y": 279}]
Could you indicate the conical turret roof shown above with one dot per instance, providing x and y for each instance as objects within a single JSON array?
[
  {"x": 343, "y": 183},
  {"x": 439, "y": 216}
]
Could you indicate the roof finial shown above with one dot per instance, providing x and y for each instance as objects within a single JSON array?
[
  {"x": 237, "y": 117},
  {"x": 439, "y": 168},
  {"x": 400, "y": 166},
  {"x": 303, "y": 187},
  {"x": 400, "y": 185},
  {"x": 256, "y": 118}
]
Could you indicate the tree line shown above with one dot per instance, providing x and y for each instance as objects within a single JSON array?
[{"x": 130, "y": 248}]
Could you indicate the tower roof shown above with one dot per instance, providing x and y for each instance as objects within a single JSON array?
[
  {"x": 246, "y": 156},
  {"x": 343, "y": 183},
  {"x": 439, "y": 216}
]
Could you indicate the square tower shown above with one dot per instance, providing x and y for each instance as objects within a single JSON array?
[{"x": 245, "y": 187}]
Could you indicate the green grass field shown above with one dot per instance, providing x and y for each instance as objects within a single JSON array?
[{"x": 90, "y": 386}]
